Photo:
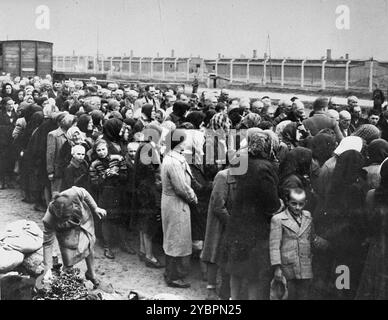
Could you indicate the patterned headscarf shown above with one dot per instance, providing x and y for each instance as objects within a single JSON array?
[
  {"x": 71, "y": 131},
  {"x": 261, "y": 145},
  {"x": 220, "y": 121},
  {"x": 368, "y": 132},
  {"x": 251, "y": 120}
]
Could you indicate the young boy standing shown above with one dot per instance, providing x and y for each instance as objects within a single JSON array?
[{"x": 291, "y": 237}]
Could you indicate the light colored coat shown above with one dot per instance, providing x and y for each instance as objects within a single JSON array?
[
  {"x": 290, "y": 245},
  {"x": 176, "y": 196},
  {"x": 55, "y": 141}
]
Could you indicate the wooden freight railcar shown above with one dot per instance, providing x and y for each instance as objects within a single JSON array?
[{"x": 26, "y": 58}]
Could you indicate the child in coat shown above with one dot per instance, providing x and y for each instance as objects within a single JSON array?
[
  {"x": 291, "y": 238},
  {"x": 108, "y": 174},
  {"x": 77, "y": 172}
]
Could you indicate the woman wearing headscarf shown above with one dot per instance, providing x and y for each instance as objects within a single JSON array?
[
  {"x": 147, "y": 195},
  {"x": 251, "y": 120},
  {"x": 74, "y": 137},
  {"x": 85, "y": 124},
  {"x": 113, "y": 132},
  {"x": 368, "y": 132},
  {"x": 343, "y": 224},
  {"x": 247, "y": 231},
  {"x": 32, "y": 187},
  {"x": 216, "y": 147},
  {"x": 322, "y": 147},
  {"x": 294, "y": 172},
  {"x": 69, "y": 219},
  {"x": 377, "y": 153},
  {"x": 373, "y": 283}
]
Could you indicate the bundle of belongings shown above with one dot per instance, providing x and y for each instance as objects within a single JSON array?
[
  {"x": 21, "y": 253},
  {"x": 21, "y": 245}
]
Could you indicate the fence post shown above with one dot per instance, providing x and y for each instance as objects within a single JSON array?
[
  {"x": 302, "y": 73},
  {"x": 216, "y": 70},
  {"x": 140, "y": 65},
  {"x": 95, "y": 69},
  {"x": 323, "y": 82},
  {"x": 152, "y": 67},
  {"x": 163, "y": 70},
  {"x": 282, "y": 73},
  {"x": 347, "y": 75},
  {"x": 121, "y": 66},
  {"x": 248, "y": 70},
  {"x": 265, "y": 71},
  {"x": 175, "y": 68},
  {"x": 188, "y": 69},
  {"x": 231, "y": 71},
  {"x": 371, "y": 76}
]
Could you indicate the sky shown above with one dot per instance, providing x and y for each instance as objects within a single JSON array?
[{"x": 297, "y": 28}]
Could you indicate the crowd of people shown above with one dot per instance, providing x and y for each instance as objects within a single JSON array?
[{"x": 268, "y": 195}]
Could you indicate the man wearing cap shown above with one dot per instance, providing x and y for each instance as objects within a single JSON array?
[
  {"x": 320, "y": 120},
  {"x": 344, "y": 122},
  {"x": 224, "y": 96},
  {"x": 195, "y": 85},
  {"x": 149, "y": 97},
  {"x": 357, "y": 119}
]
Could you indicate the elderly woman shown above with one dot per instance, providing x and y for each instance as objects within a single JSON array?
[
  {"x": 247, "y": 232},
  {"x": 177, "y": 197},
  {"x": 69, "y": 219},
  {"x": 74, "y": 137}
]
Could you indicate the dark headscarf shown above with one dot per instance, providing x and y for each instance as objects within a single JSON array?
[
  {"x": 83, "y": 122},
  {"x": 381, "y": 193},
  {"x": 147, "y": 110},
  {"x": 288, "y": 135},
  {"x": 297, "y": 161},
  {"x": 30, "y": 110},
  {"x": 180, "y": 108},
  {"x": 112, "y": 129},
  {"x": 377, "y": 151},
  {"x": 195, "y": 118},
  {"x": 322, "y": 146},
  {"x": 97, "y": 117},
  {"x": 347, "y": 171}
]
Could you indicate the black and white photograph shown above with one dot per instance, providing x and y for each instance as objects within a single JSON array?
[{"x": 182, "y": 150}]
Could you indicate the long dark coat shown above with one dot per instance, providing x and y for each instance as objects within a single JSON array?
[
  {"x": 202, "y": 187},
  {"x": 148, "y": 193},
  {"x": 218, "y": 214},
  {"x": 247, "y": 233}
]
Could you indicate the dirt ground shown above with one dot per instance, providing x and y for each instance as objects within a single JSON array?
[{"x": 125, "y": 272}]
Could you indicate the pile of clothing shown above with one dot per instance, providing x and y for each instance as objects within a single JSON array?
[{"x": 21, "y": 244}]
